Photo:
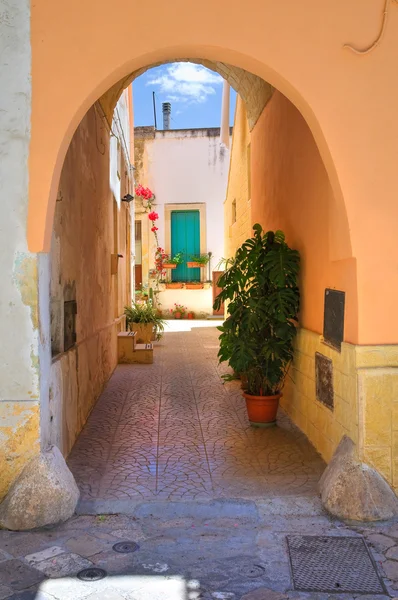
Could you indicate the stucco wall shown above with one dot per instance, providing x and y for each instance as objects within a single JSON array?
[
  {"x": 291, "y": 191},
  {"x": 238, "y": 219},
  {"x": 90, "y": 225},
  {"x": 183, "y": 167},
  {"x": 19, "y": 317}
]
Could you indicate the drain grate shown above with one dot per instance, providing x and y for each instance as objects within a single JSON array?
[
  {"x": 125, "y": 547},
  {"x": 333, "y": 564},
  {"x": 91, "y": 574}
]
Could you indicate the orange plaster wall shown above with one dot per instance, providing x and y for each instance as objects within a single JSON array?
[
  {"x": 291, "y": 191},
  {"x": 81, "y": 49}
]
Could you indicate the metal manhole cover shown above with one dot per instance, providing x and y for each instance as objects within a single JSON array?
[
  {"x": 333, "y": 564},
  {"x": 91, "y": 574},
  {"x": 125, "y": 547}
]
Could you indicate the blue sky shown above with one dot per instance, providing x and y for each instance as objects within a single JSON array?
[{"x": 194, "y": 93}]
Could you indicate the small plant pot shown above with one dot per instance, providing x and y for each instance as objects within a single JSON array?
[
  {"x": 194, "y": 265},
  {"x": 174, "y": 286},
  {"x": 262, "y": 410},
  {"x": 191, "y": 315},
  {"x": 194, "y": 286},
  {"x": 169, "y": 266},
  {"x": 178, "y": 315}
]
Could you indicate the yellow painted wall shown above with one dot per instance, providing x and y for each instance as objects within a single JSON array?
[
  {"x": 323, "y": 426},
  {"x": 89, "y": 226},
  {"x": 365, "y": 380},
  {"x": 238, "y": 184},
  {"x": 19, "y": 440}
]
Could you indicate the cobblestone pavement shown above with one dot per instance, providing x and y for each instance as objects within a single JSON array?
[
  {"x": 209, "y": 500},
  {"x": 217, "y": 550},
  {"x": 173, "y": 431}
]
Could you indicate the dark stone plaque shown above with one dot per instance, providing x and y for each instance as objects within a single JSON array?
[
  {"x": 333, "y": 318},
  {"x": 70, "y": 310},
  {"x": 324, "y": 380}
]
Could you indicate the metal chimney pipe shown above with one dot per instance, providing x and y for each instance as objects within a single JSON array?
[{"x": 166, "y": 109}]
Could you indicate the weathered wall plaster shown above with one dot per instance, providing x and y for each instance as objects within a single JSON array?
[
  {"x": 91, "y": 224},
  {"x": 19, "y": 350}
]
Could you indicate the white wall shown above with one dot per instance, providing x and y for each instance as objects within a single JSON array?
[
  {"x": 121, "y": 143},
  {"x": 190, "y": 166}
]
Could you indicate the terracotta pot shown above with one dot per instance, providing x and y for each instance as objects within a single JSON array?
[
  {"x": 194, "y": 286},
  {"x": 174, "y": 286},
  {"x": 169, "y": 266},
  {"x": 194, "y": 265},
  {"x": 191, "y": 315},
  {"x": 144, "y": 332},
  {"x": 262, "y": 410},
  {"x": 178, "y": 315}
]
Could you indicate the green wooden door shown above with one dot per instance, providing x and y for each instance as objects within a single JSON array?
[{"x": 185, "y": 237}]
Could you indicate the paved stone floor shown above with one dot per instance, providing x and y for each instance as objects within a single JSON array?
[
  {"x": 208, "y": 500},
  {"x": 173, "y": 431}
]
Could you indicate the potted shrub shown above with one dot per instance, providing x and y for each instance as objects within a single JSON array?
[
  {"x": 257, "y": 336},
  {"x": 198, "y": 260},
  {"x": 178, "y": 311},
  {"x": 172, "y": 263},
  {"x": 194, "y": 285},
  {"x": 191, "y": 315},
  {"x": 145, "y": 320}
]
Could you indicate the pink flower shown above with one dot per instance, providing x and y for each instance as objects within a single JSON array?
[
  {"x": 154, "y": 228},
  {"x": 153, "y": 216}
]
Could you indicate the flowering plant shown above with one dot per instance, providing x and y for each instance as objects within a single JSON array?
[
  {"x": 178, "y": 308},
  {"x": 160, "y": 258},
  {"x": 146, "y": 195}
]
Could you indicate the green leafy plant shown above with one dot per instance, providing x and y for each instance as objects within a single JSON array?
[
  {"x": 177, "y": 259},
  {"x": 144, "y": 312},
  {"x": 224, "y": 263},
  {"x": 263, "y": 295},
  {"x": 202, "y": 259}
]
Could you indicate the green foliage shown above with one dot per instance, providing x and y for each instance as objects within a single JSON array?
[
  {"x": 263, "y": 295},
  {"x": 202, "y": 259},
  {"x": 144, "y": 312},
  {"x": 177, "y": 259}
]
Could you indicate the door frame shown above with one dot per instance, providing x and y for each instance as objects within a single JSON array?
[{"x": 168, "y": 209}]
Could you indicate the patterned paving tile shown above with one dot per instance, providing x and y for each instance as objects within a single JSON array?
[{"x": 173, "y": 430}]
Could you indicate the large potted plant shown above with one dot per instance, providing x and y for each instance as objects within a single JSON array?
[
  {"x": 145, "y": 320},
  {"x": 257, "y": 336}
]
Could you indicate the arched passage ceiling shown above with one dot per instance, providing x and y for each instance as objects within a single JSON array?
[{"x": 254, "y": 91}]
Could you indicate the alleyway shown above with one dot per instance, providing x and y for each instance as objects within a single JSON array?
[
  {"x": 212, "y": 507},
  {"x": 173, "y": 431}
]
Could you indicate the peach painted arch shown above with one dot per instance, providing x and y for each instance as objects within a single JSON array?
[
  {"x": 81, "y": 49},
  {"x": 41, "y": 205}
]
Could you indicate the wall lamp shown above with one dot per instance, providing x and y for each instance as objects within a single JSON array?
[{"x": 127, "y": 198}]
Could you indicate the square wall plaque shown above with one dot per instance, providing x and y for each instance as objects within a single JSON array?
[
  {"x": 324, "y": 380},
  {"x": 333, "y": 317}
]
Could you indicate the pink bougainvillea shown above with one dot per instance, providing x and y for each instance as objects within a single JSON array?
[{"x": 153, "y": 216}]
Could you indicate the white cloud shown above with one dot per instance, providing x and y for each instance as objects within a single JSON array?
[{"x": 187, "y": 82}]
